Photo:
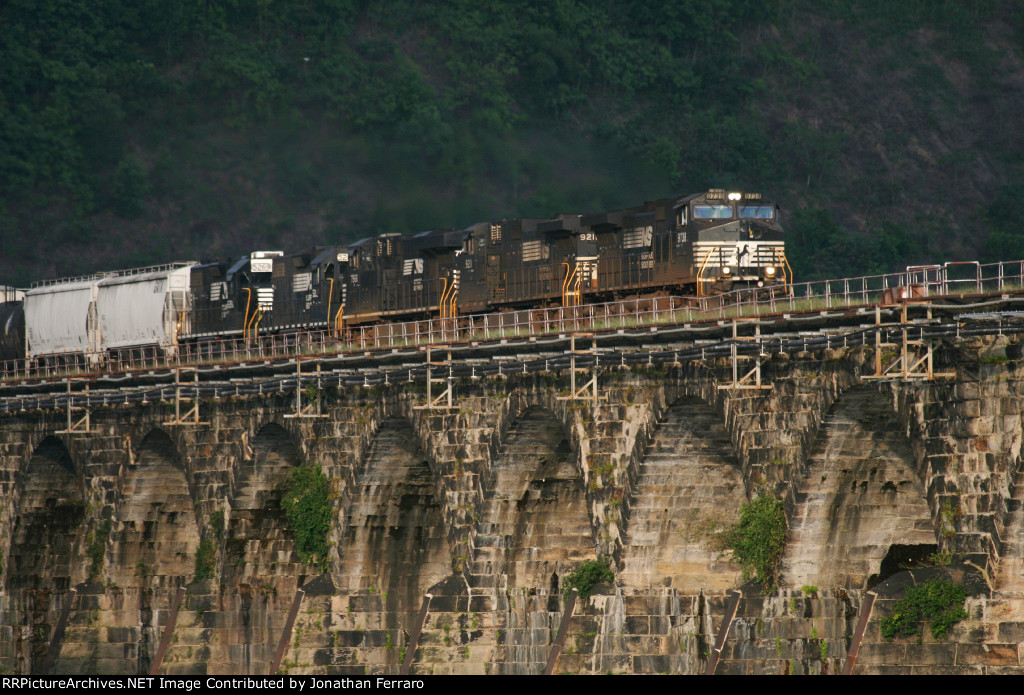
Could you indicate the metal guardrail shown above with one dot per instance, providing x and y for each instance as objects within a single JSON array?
[
  {"x": 951, "y": 278},
  {"x": 345, "y": 370}
]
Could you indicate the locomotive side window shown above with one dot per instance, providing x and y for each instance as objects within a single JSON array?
[
  {"x": 756, "y": 212},
  {"x": 712, "y": 212}
]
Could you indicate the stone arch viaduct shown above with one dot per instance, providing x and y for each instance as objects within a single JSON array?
[{"x": 143, "y": 547}]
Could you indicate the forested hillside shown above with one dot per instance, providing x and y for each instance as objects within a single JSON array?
[{"x": 139, "y": 131}]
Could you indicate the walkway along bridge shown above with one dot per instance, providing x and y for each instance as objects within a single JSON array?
[{"x": 908, "y": 312}]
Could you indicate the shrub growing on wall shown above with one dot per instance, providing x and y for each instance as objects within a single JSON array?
[
  {"x": 587, "y": 575},
  {"x": 939, "y": 601},
  {"x": 307, "y": 504},
  {"x": 757, "y": 541}
]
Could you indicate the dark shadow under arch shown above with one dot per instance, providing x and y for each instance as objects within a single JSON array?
[
  {"x": 258, "y": 538},
  {"x": 50, "y": 514},
  {"x": 156, "y": 536},
  {"x": 152, "y": 547},
  {"x": 394, "y": 536},
  {"x": 46, "y": 545},
  {"x": 261, "y": 570},
  {"x": 394, "y": 541}
]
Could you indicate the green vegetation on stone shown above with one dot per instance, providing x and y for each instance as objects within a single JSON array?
[
  {"x": 585, "y": 577},
  {"x": 307, "y": 504},
  {"x": 206, "y": 559},
  {"x": 98, "y": 548},
  {"x": 758, "y": 539},
  {"x": 206, "y": 554},
  {"x": 938, "y": 601}
]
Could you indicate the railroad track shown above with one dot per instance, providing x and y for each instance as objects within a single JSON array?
[{"x": 919, "y": 322}]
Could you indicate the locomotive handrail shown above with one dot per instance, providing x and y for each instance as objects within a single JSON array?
[{"x": 700, "y": 271}]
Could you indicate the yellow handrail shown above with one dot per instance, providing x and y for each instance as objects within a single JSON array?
[
  {"x": 700, "y": 271},
  {"x": 245, "y": 319},
  {"x": 442, "y": 302},
  {"x": 257, "y": 317},
  {"x": 788, "y": 280},
  {"x": 565, "y": 283},
  {"x": 339, "y": 319},
  {"x": 330, "y": 297}
]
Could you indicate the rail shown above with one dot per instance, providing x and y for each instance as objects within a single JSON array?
[{"x": 953, "y": 278}]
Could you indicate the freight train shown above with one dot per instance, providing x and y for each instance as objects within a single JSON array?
[{"x": 694, "y": 245}]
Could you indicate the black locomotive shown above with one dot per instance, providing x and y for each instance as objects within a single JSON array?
[
  {"x": 701, "y": 244},
  {"x": 695, "y": 245}
]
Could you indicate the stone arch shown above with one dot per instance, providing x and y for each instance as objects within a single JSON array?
[
  {"x": 259, "y": 546},
  {"x": 861, "y": 510},
  {"x": 393, "y": 531},
  {"x": 535, "y": 522},
  {"x": 155, "y": 535},
  {"x": 152, "y": 547},
  {"x": 48, "y": 527},
  {"x": 528, "y": 398},
  {"x": 47, "y": 540},
  {"x": 260, "y": 571},
  {"x": 688, "y": 482}
]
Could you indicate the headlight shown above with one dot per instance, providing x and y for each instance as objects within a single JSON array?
[
  {"x": 726, "y": 271},
  {"x": 735, "y": 196},
  {"x": 770, "y": 271}
]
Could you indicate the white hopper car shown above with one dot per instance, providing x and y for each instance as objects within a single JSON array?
[{"x": 144, "y": 307}]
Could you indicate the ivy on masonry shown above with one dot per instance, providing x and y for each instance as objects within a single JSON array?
[
  {"x": 939, "y": 601},
  {"x": 97, "y": 549},
  {"x": 758, "y": 539},
  {"x": 206, "y": 555},
  {"x": 307, "y": 504},
  {"x": 585, "y": 577}
]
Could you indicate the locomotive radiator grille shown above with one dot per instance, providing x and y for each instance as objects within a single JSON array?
[{"x": 533, "y": 251}]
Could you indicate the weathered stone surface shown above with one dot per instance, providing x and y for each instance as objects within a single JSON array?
[{"x": 486, "y": 508}]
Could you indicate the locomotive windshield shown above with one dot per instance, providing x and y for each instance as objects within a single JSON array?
[
  {"x": 757, "y": 212},
  {"x": 712, "y": 212}
]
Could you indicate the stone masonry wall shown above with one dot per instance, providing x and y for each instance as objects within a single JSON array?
[{"x": 454, "y": 530}]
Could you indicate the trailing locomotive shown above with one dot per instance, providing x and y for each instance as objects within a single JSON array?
[{"x": 694, "y": 245}]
